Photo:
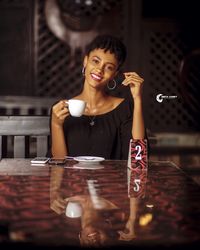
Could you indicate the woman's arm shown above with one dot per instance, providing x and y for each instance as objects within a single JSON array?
[
  {"x": 58, "y": 115},
  {"x": 129, "y": 231},
  {"x": 135, "y": 82},
  {"x": 138, "y": 128},
  {"x": 57, "y": 202}
]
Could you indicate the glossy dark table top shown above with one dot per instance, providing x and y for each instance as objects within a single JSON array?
[{"x": 166, "y": 213}]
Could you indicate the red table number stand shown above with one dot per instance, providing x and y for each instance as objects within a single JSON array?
[{"x": 137, "y": 168}]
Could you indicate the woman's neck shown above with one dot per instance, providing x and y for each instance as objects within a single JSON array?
[
  {"x": 89, "y": 217},
  {"x": 95, "y": 99}
]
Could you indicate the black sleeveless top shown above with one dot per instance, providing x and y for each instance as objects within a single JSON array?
[{"x": 109, "y": 136}]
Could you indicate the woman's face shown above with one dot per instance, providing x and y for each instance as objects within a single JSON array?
[{"x": 100, "y": 67}]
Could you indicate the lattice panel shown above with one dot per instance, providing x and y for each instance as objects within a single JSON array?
[
  {"x": 162, "y": 56},
  {"x": 190, "y": 83},
  {"x": 53, "y": 62},
  {"x": 58, "y": 65}
]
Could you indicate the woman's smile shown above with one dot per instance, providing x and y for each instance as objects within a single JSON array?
[{"x": 96, "y": 77}]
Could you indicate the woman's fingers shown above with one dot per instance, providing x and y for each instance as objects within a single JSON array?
[
  {"x": 135, "y": 82},
  {"x": 58, "y": 206},
  {"x": 60, "y": 112},
  {"x": 127, "y": 74},
  {"x": 132, "y": 78},
  {"x": 126, "y": 236},
  {"x": 130, "y": 81},
  {"x": 59, "y": 106}
]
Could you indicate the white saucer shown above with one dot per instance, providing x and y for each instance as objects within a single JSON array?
[
  {"x": 89, "y": 159},
  {"x": 87, "y": 166}
]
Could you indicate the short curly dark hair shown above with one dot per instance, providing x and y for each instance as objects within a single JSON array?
[{"x": 109, "y": 43}]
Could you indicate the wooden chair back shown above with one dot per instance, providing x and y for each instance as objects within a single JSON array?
[{"x": 29, "y": 136}]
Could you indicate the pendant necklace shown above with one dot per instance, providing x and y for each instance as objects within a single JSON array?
[{"x": 92, "y": 120}]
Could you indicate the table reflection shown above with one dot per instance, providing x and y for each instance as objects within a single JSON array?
[
  {"x": 157, "y": 208},
  {"x": 103, "y": 221}
]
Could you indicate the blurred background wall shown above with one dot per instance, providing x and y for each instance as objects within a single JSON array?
[{"x": 42, "y": 45}]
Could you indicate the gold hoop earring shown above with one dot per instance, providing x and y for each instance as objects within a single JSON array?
[{"x": 112, "y": 87}]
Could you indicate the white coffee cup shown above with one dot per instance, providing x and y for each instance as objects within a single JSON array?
[
  {"x": 76, "y": 107},
  {"x": 73, "y": 209}
]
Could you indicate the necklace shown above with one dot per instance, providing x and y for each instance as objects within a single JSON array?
[{"x": 92, "y": 120}]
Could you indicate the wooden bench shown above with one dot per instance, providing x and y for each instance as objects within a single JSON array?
[
  {"x": 26, "y": 105},
  {"x": 29, "y": 136}
]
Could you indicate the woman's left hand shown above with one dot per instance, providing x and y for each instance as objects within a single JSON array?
[{"x": 135, "y": 82}]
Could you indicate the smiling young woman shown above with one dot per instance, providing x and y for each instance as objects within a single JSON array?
[{"x": 108, "y": 122}]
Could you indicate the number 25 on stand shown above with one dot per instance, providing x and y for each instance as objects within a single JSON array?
[{"x": 137, "y": 168}]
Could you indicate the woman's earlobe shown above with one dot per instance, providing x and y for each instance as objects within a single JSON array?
[
  {"x": 85, "y": 61},
  {"x": 83, "y": 71}
]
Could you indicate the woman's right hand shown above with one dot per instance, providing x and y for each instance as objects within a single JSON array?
[
  {"x": 59, "y": 113},
  {"x": 57, "y": 204}
]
